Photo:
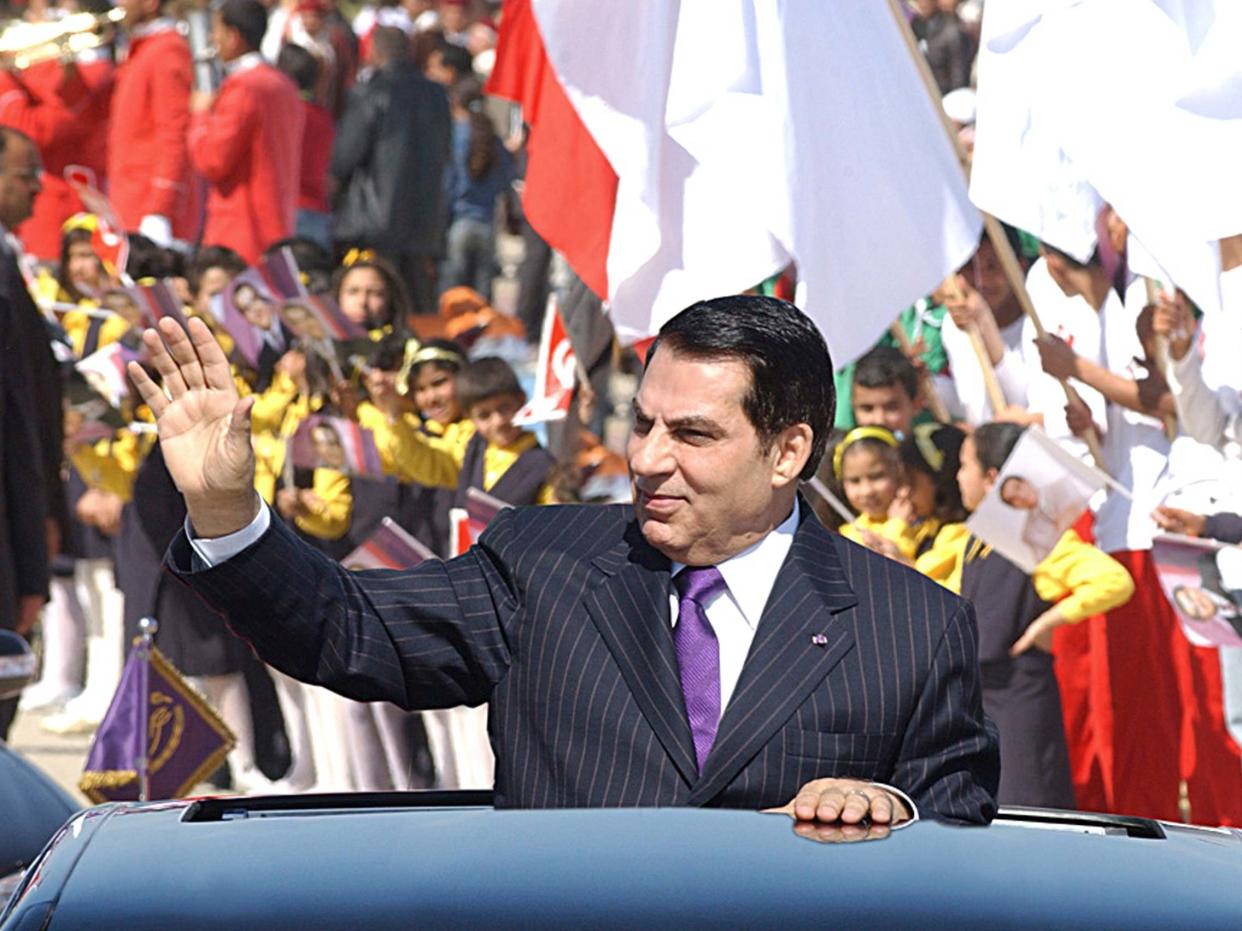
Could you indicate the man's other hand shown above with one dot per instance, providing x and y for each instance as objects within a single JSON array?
[
  {"x": 204, "y": 426},
  {"x": 846, "y": 801}
]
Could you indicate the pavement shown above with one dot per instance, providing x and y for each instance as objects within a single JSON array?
[{"x": 62, "y": 758}]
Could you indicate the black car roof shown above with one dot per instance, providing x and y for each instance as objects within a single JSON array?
[{"x": 333, "y": 866}]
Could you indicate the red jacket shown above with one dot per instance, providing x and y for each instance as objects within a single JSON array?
[
  {"x": 66, "y": 114},
  {"x": 249, "y": 148},
  {"x": 148, "y": 164},
  {"x": 316, "y": 156}
]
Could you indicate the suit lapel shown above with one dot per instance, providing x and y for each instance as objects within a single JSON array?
[
  {"x": 797, "y": 642},
  {"x": 630, "y": 608}
]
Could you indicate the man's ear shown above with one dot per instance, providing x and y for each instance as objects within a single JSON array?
[{"x": 790, "y": 451}]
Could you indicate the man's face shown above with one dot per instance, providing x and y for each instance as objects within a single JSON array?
[
  {"x": 1061, "y": 272},
  {"x": 435, "y": 392},
  {"x": 1019, "y": 493},
  {"x": 21, "y": 174},
  {"x": 989, "y": 277},
  {"x": 704, "y": 489},
  {"x": 210, "y": 283},
  {"x": 1195, "y": 604},
  {"x": 493, "y": 418},
  {"x": 138, "y": 11},
  {"x": 226, "y": 39},
  {"x": 888, "y": 407},
  {"x": 328, "y": 447}
]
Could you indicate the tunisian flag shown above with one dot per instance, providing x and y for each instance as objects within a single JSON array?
[{"x": 683, "y": 150}]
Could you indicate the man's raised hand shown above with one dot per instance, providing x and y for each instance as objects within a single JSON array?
[{"x": 204, "y": 426}]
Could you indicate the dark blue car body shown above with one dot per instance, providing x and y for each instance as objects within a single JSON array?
[{"x": 443, "y": 860}]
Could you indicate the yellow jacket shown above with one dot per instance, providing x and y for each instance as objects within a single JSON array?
[
  {"x": 112, "y": 464},
  {"x": 408, "y": 453},
  {"x": 330, "y": 518},
  {"x": 1081, "y": 579},
  {"x": 893, "y": 529},
  {"x": 497, "y": 460}
]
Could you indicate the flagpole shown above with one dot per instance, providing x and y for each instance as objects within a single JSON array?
[
  {"x": 1000, "y": 242},
  {"x": 147, "y": 627}
]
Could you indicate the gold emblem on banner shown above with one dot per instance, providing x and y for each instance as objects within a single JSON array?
[{"x": 165, "y": 725}]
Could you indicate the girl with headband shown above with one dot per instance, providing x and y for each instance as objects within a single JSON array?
[{"x": 868, "y": 466}]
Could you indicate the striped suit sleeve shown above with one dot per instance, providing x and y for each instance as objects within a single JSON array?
[
  {"x": 431, "y": 637},
  {"x": 949, "y": 762}
]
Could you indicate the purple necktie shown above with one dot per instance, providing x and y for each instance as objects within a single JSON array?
[{"x": 698, "y": 654}]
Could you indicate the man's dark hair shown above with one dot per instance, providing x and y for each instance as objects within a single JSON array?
[
  {"x": 212, "y": 257},
  {"x": 300, "y": 65},
  {"x": 248, "y": 17},
  {"x": 485, "y": 378},
  {"x": 790, "y": 368},
  {"x": 884, "y": 367},
  {"x": 150, "y": 260},
  {"x": 389, "y": 45},
  {"x": 308, "y": 254},
  {"x": 457, "y": 58},
  {"x": 995, "y": 441}
]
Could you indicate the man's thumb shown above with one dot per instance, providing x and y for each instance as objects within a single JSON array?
[{"x": 239, "y": 420}]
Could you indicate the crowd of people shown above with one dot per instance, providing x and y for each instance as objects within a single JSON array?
[{"x": 365, "y": 154}]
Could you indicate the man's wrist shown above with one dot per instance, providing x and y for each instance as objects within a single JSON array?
[{"x": 212, "y": 518}]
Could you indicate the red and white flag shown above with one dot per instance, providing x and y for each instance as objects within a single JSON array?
[
  {"x": 467, "y": 524},
  {"x": 554, "y": 373},
  {"x": 683, "y": 151},
  {"x": 104, "y": 371}
]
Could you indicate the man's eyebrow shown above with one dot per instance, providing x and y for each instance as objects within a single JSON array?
[{"x": 689, "y": 422}]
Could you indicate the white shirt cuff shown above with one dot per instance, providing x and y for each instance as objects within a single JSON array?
[
  {"x": 216, "y": 550},
  {"x": 909, "y": 802}
]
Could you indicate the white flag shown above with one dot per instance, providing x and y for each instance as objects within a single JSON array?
[{"x": 747, "y": 135}]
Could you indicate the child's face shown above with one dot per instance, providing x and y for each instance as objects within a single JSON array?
[
  {"x": 971, "y": 479},
  {"x": 888, "y": 407},
  {"x": 922, "y": 493},
  {"x": 364, "y": 297},
  {"x": 435, "y": 392},
  {"x": 869, "y": 481},
  {"x": 493, "y": 418},
  {"x": 85, "y": 268}
]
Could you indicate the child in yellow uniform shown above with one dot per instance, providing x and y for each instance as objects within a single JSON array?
[
  {"x": 501, "y": 458},
  {"x": 867, "y": 463},
  {"x": 930, "y": 457},
  {"x": 429, "y": 376},
  {"x": 1016, "y": 615}
]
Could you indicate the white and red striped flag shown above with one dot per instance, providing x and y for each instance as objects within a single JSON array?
[
  {"x": 690, "y": 149},
  {"x": 555, "y": 372}
]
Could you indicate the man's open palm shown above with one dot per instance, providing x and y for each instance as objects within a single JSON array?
[{"x": 204, "y": 426}]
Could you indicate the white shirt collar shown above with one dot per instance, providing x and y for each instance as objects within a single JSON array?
[
  {"x": 751, "y": 574},
  {"x": 243, "y": 63},
  {"x": 151, "y": 27}
]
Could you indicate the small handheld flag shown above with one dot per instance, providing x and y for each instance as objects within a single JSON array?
[{"x": 159, "y": 737}]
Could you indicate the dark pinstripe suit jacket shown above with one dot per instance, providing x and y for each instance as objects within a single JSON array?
[{"x": 560, "y": 618}]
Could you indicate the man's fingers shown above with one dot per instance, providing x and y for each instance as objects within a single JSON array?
[
  {"x": 174, "y": 384},
  {"x": 151, "y": 394},
  {"x": 881, "y": 808},
  {"x": 211, "y": 356},
  {"x": 183, "y": 352},
  {"x": 857, "y": 807}
]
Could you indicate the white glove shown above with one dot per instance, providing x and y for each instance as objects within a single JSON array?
[{"x": 156, "y": 228}]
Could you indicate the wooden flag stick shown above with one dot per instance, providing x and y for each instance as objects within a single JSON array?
[
  {"x": 991, "y": 383},
  {"x": 1000, "y": 242},
  {"x": 931, "y": 398},
  {"x": 833, "y": 501}
]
